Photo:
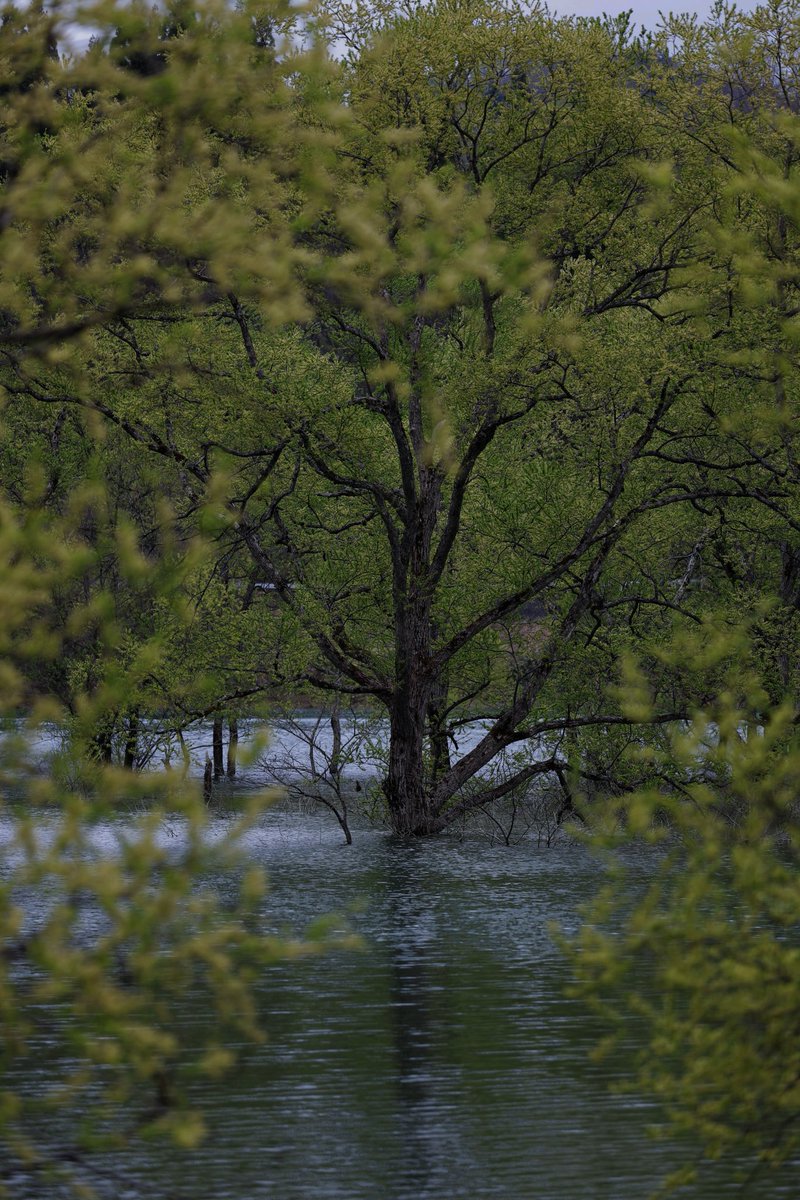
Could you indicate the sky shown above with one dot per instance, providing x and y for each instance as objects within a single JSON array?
[{"x": 645, "y": 12}]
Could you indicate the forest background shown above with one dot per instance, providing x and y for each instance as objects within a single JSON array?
[{"x": 452, "y": 378}]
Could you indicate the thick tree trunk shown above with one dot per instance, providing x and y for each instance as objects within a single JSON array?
[
  {"x": 233, "y": 746},
  {"x": 407, "y": 784},
  {"x": 335, "y": 765},
  {"x": 408, "y": 781},
  {"x": 216, "y": 748}
]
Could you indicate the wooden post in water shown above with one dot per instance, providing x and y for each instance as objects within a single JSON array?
[
  {"x": 233, "y": 746},
  {"x": 216, "y": 747}
]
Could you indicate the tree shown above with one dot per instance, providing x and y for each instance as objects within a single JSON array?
[
  {"x": 714, "y": 937},
  {"x": 513, "y": 344},
  {"x": 449, "y": 352},
  {"x": 488, "y": 388},
  {"x": 470, "y": 225},
  {"x": 77, "y": 576},
  {"x": 707, "y": 961},
  {"x": 116, "y": 182}
]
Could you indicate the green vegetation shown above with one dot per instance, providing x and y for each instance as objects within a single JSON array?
[
  {"x": 440, "y": 376},
  {"x": 709, "y": 959}
]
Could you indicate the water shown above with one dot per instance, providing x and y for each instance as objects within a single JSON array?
[
  {"x": 443, "y": 1061},
  {"x": 283, "y": 750}
]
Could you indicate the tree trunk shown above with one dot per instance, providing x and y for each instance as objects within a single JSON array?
[
  {"x": 335, "y": 764},
  {"x": 790, "y": 596},
  {"x": 405, "y": 786},
  {"x": 233, "y": 746},
  {"x": 102, "y": 747},
  {"x": 132, "y": 740},
  {"x": 216, "y": 743}
]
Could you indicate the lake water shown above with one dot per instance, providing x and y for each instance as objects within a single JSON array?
[
  {"x": 282, "y": 750},
  {"x": 443, "y": 1061}
]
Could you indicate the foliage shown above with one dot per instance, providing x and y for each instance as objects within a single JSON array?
[
  {"x": 111, "y": 911},
  {"x": 438, "y": 378},
  {"x": 489, "y": 279},
  {"x": 707, "y": 960},
  {"x": 123, "y": 186}
]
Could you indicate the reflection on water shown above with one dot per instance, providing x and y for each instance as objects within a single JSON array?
[{"x": 443, "y": 1061}]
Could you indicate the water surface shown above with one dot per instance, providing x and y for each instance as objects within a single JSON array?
[{"x": 445, "y": 1060}]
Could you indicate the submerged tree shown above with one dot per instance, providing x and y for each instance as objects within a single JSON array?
[
  {"x": 439, "y": 412},
  {"x": 474, "y": 391},
  {"x": 485, "y": 496}
]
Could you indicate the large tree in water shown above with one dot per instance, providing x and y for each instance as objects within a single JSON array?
[
  {"x": 475, "y": 506},
  {"x": 447, "y": 386}
]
